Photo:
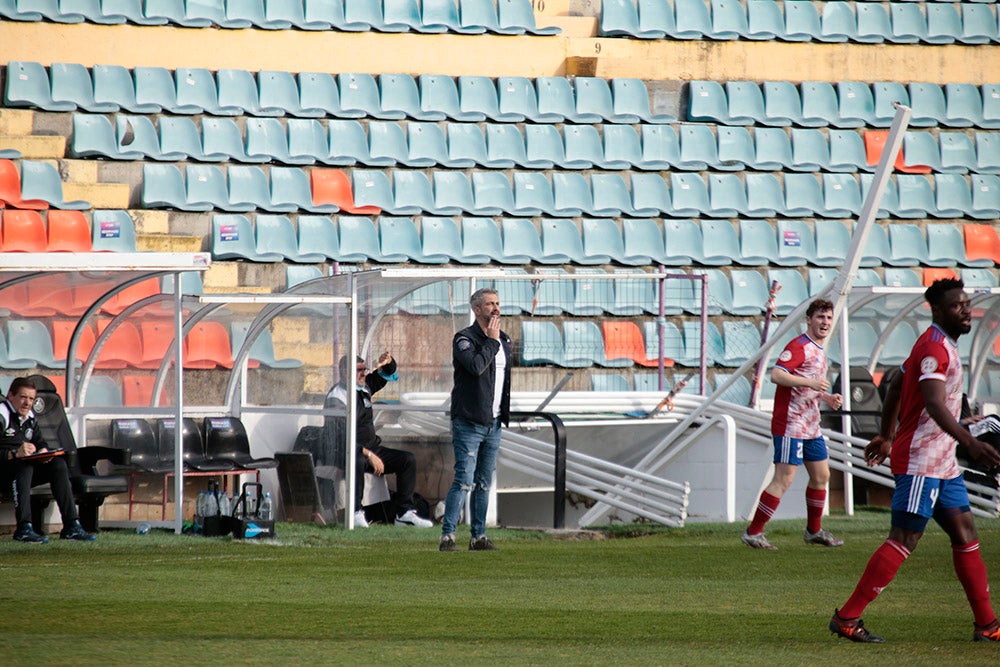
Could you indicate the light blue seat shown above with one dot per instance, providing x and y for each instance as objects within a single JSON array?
[
  {"x": 319, "y": 91},
  {"x": 113, "y": 85},
  {"x": 820, "y": 106},
  {"x": 250, "y": 187},
  {"x": 877, "y": 248},
  {"x": 112, "y": 231},
  {"x": 660, "y": 147},
  {"x": 70, "y": 83},
  {"x": 838, "y": 22},
  {"x": 707, "y": 101},
  {"x": 649, "y": 191},
  {"x": 841, "y": 196},
  {"x": 561, "y": 243},
  {"x": 611, "y": 197},
  {"x": 552, "y": 296},
  {"x": 478, "y": 100},
  {"x": 928, "y": 104},
  {"x": 481, "y": 243},
  {"x": 369, "y": 12},
  {"x": 953, "y": 198},
  {"x": 630, "y": 97},
  {"x": 262, "y": 349},
  {"x": 163, "y": 187},
  {"x": 692, "y": 20},
  {"x": 944, "y": 23},
  {"x": 963, "y": 105},
  {"x": 810, "y": 150},
  {"x": 209, "y": 12},
  {"x": 698, "y": 148},
  {"x": 413, "y": 194},
  {"x": 636, "y": 297},
  {"x": 602, "y": 243},
  {"x": 399, "y": 236},
  {"x": 885, "y": 93},
  {"x": 30, "y": 340},
  {"x": 946, "y": 247},
  {"x": 765, "y": 20},
  {"x": 266, "y": 141},
  {"x": 741, "y": 338},
  {"x": 519, "y": 15},
  {"x": 594, "y": 102},
  {"x": 516, "y": 96},
  {"x": 490, "y": 193},
  {"x": 387, "y": 146},
  {"x": 855, "y": 104},
  {"x": 442, "y": 16},
  {"x": 689, "y": 195},
  {"x": 358, "y": 241},
  {"x": 772, "y": 149},
  {"x": 958, "y": 154},
  {"x": 467, "y": 146},
  {"x": 714, "y": 348},
  {"x": 642, "y": 241},
  {"x": 233, "y": 238},
  {"x": 130, "y": 10},
  {"x": 584, "y": 346},
  {"x": 736, "y": 149},
  {"x": 620, "y": 18},
  {"x": 439, "y": 237},
  {"x": 93, "y": 136},
  {"x": 720, "y": 291},
  {"x": 154, "y": 86},
  {"x": 179, "y": 135},
  {"x": 348, "y": 143},
  {"x": 520, "y": 240},
  {"x": 793, "y": 289},
  {"x": 656, "y": 17},
  {"x": 758, "y": 245},
  {"x": 796, "y": 244},
  {"x": 237, "y": 89},
  {"x": 978, "y": 26},
  {"x": 426, "y": 144},
  {"x": 274, "y": 234},
  {"x": 242, "y": 11},
  {"x": 720, "y": 244},
  {"x": 140, "y": 135},
  {"x": 41, "y": 180},
  {"x": 819, "y": 279},
  {"x": 279, "y": 91},
  {"x": 729, "y": 19},
  {"x": 832, "y": 241},
  {"x": 609, "y": 382},
  {"x": 782, "y": 102},
  {"x": 765, "y": 196},
  {"x": 372, "y": 188},
  {"x": 898, "y": 344},
  {"x": 439, "y": 95},
  {"x": 737, "y": 393},
  {"x": 483, "y": 14},
  {"x": 583, "y": 148},
  {"x": 847, "y": 152},
  {"x": 591, "y": 296},
  {"x": 727, "y": 196},
  {"x": 907, "y": 245},
  {"x": 803, "y": 196},
  {"x": 802, "y": 22},
  {"x": 197, "y": 88},
  {"x": 873, "y": 25},
  {"x": 622, "y": 148},
  {"x": 515, "y": 295},
  {"x": 746, "y": 102},
  {"x": 308, "y": 142},
  {"x": 173, "y": 12},
  {"x": 985, "y": 196},
  {"x": 921, "y": 149},
  {"x": 979, "y": 278},
  {"x": 398, "y": 94},
  {"x": 317, "y": 239},
  {"x": 292, "y": 191},
  {"x": 221, "y": 137},
  {"x": 533, "y": 196},
  {"x": 673, "y": 343},
  {"x": 863, "y": 339},
  {"x": 889, "y": 206},
  {"x": 504, "y": 143},
  {"x": 405, "y": 14},
  {"x": 359, "y": 94},
  {"x": 682, "y": 242},
  {"x": 541, "y": 344},
  {"x": 909, "y": 24}
]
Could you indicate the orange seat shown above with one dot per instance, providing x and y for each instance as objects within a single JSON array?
[
  {"x": 122, "y": 349},
  {"x": 42, "y": 296},
  {"x": 130, "y": 295},
  {"x": 137, "y": 391},
  {"x": 207, "y": 346},
  {"x": 22, "y": 231},
  {"x": 157, "y": 336},
  {"x": 981, "y": 241},
  {"x": 875, "y": 144},
  {"x": 69, "y": 231},
  {"x": 932, "y": 274},
  {"x": 62, "y": 331},
  {"x": 10, "y": 189},
  {"x": 623, "y": 340},
  {"x": 59, "y": 382},
  {"x": 332, "y": 186}
]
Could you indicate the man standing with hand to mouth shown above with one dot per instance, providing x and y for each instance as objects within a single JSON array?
[
  {"x": 801, "y": 378},
  {"x": 480, "y": 405}
]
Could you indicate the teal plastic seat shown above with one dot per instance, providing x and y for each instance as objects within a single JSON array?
[
  {"x": 602, "y": 243},
  {"x": 953, "y": 198},
  {"x": 727, "y": 197},
  {"x": 369, "y": 12},
  {"x": 985, "y": 196},
  {"x": 720, "y": 243},
  {"x": 141, "y": 136},
  {"x": 592, "y": 296},
  {"x": 699, "y": 150},
  {"x": 692, "y": 20},
  {"x": 885, "y": 93},
  {"x": 909, "y": 24},
  {"x": 750, "y": 293},
  {"x": 398, "y": 94},
  {"x": 630, "y": 97},
  {"x": 233, "y": 238},
  {"x": 635, "y": 297},
  {"x": 359, "y": 94},
  {"x": 442, "y": 16},
  {"x": 810, "y": 150},
  {"x": 855, "y": 104},
  {"x": 491, "y": 192},
  {"x": 515, "y": 295},
  {"x": 620, "y": 18},
  {"x": 237, "y": 89},
  {"x": 291, "y": 191},
  {"x": 93, "y": 136},
  {"x": 520, "y": 240},
  {"x": 611, "y": 197},
  {"x": 802, "y": 22},
  {"x": 944, "y": 23},
  {"x": 308, "y": 142},
  {"x": 772, "y": 149},
  {"x": 689, "y": 195},
  {"x": 907, "y": 245},
  {"x": 838, "y": 22},
  {"x": 439, "y": 237},
  {"x": 387, "y": 145},
  {"x": 746, "y": 101},
  {"x": 41, "y": 180},
  {"x": 399, "y": 236},
  {"x": 163, "y": 187},
  {"x": 584, "y": 346},
  {"x": 130, "y": 10},
  {"x": 112, "y": 231},
  {"x": 348, "y": 143},
  {"x": 622, "y": 148},
  {"x": 250, "y": 187},
  {"x": 841, "y": 196},
  {"x": 180, "y": 136},
  {"x": 275, "y": 235},
  {"x": 266, "y": 141},
  {"x": 583, "y": 148},
  {"x": 467, "y": 146},
  {"x": 793, "y": 289},
  {"x": 889, "y": 206},
  {"x": 820, "y": 106},
  {"x": 317, "y": 240},
  {"x": 832, "y": 242},
  {"x": 921, "y": 149},
  {"x": 958, "y": 154},
  {"x": 357, "y": 239},
  {"x": 720, "y": 292},
  {"x": 682, "y": 242},
  {"x": 642, "y": 242},
  {"x": 978, "y": 26},
  {"x": 222, "y": 137},
  {"x": 741, "y": 338},
  {"x": 594, "y": 103},
  {"x": 113, "y": 85},
  {"x": 928, "y": 105},
  {"x": 481, "y": 243},
  {"x": 426, "y": 144},
  {"x": 736, "y": 148},
  {"x": 979, "y": 277},
  {"x": 280, "y": 91},
  {"x": 707, "y": 101},
  {"x": 518, "y": 14},
  {"x": 561, "y": 243},
  {"x": 898, "y": 344},
  {"x": 673, "y": 343},
  {"x": 660, "y": 147},
  {"x": 946, "y": 247},
  {"x": 372, "y": 188},
  {"x": 847, "y": 152},
  {"x": 505, "y": 145},
  {"x": 439, "y": 94},
  {"x": 737, "y": 393},
  {"x": 782, "y": 102},
  {"x": 609, "y": 382},
  {"x": 209, "y": 12},
  {"x": 533, "y": 196},
  {"x": 765, "y": 196},
  {"x": 197, "y": 88},
  {"x": 30, "y": 340},
  {"x": 541, "y": 344},
  {"x": 478, "y": 100},
  {"x": 70, "y": 83},
  {"x": 729, "y": 19},
  {"x": 765, "y": 20},
  {"x": 516, "y": 96},
  {"x": 154, "y": 86},
  {"x": 483, "y": 14},
  {"x": 863, "y": 338},
  {"x": 318, "y": 91},
  {"x": 553, "y": 297},
  {"x": 796, "y": 243},
  {"x": 758, "y": 245},
  {"x": 714, "y": 348},
  {"x": 803, "y": 196},
  {"x": 649, "y": 192},
  {"x": 262, "y": 348},
  {"x": 963, "y": 105},
  {"x": 873, "y": 25}
]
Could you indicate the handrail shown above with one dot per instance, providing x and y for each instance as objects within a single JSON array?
[{"x": 559, "y": 472}]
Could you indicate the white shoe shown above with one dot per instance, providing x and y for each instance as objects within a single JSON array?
[
  {"x": 411, "y": 518},
  {"x": 359, "y": 519}
]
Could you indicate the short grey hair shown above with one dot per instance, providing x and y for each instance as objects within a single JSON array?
[{"x": 477, "y": 297}]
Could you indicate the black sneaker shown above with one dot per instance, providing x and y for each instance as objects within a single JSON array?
[
  {"x": 447, "y": 544},
  {"x": 25, "y": 533},
  {"x": 853, "y": 629},
  {"x": 76, "y": 532},
  {"x": 482, "y": 544}
]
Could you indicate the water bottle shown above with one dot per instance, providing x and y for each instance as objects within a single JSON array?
[
  {"x": 143, "y": 528},
  {"x": 267, "y": 508},
  {"x": 250, "y": 507},
  {"x": 224, "y": 506},
  {"x": 200, "y": 508}
]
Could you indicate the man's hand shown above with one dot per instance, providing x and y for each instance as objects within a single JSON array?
[
  {"x": 384, "y": 359},
  {"x": 877, "y": 451},
  {"x": 376, "y": 463},
  {"x": 819, "y": 384},
  {"x": 26, "y": 449},
  {"x": 983, "y": 454},
  {"x": 493, "y": 328},
  {"x": 833, "y": 400}
]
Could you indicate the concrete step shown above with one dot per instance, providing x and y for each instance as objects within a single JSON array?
[{"x": 35, "y": 147}]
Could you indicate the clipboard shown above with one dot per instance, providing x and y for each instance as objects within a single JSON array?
[{"x": 43, "y": 456}]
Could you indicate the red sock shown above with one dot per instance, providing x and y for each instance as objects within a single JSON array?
[
  {"x": 881, "y": 569},
  {"x": 815, "y": 503},
  {"x": 765, "y": 510},
  {"x": 971, "y": 572}
]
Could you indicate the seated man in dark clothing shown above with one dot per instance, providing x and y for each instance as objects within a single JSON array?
[
  {"x": 20, "y": 438},
  {"x": 371, "y": 456}
]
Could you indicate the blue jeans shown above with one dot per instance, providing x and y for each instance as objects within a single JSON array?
[{"x": 476, "y": 448}]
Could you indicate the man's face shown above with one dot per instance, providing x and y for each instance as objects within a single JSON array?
[
  {"x": 489, "y": 307},
  {"x": 359, "y": 372},
  {"x": 954, "y": 314},
  {"x": 23, "y": 400},
  {"x": 819, "y": 324}
]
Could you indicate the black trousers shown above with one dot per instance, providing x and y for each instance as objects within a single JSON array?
[
  {"x": 397, "y": 462},
  {"x": 20, "y": 476}
]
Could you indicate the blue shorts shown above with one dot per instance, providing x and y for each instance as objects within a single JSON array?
[
  {"x": 917, "y": 498},
  {"x": 794, "y": 451}
]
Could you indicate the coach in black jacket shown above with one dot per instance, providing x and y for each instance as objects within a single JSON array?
[{"x": 480, "y": 405}]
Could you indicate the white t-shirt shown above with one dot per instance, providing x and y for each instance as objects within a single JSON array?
[{"x": 501, "y": 360}]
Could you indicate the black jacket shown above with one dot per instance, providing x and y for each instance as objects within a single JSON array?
[
  {"x": 364, "y": 420},
  {"x": 474, "y": 359},
  {"x": 14, "y": 432}
]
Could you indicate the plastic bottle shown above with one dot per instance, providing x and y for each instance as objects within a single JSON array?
[
  {"x": 267, "y": 508},
  {"x": 250, "y": 506},
  {"x": 200, "y": 508},
  {"x": 143, "y": 528},
  {"x": 224, "y": 506}
]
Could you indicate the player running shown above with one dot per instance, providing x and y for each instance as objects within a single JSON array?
[
  {"x": 927, "y": 398},
  {"x": 801, "y": 378}
]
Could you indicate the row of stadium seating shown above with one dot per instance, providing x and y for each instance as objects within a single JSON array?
[
  {"x": 52, "y": 295},
  {"x": 34, "y": 185},
  {"x": 639, "y": 242},
  {"x": 502, "y": 146},
  {"x": 231, "y": 92},
  {"x": 66, "y": 231},
  {"x": 467, "y": 17},
  {"x": 846, "y": 104},
  {"x": 942, "y": 22}
]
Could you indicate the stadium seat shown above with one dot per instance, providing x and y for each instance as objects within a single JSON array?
[
  {"x": 622, "y": 148},
  {"x": 399, "y": 236},
  {"x": 958, "y": 154},
  {"x": 689, "y": 195},
  {"x": 729, "y": 19},
  {"x": 953, "y": 198},
  {"x": 154, "y": 86},
  {"x": 832, "y": 241},
  {"x": 745, "y": 99},
  {"x": 720, "y": 291},
  {"x": 991, "y": 106},
  {"x": 803, "y": 196},
  {"x": 793, "y": 289},
  {"x": 594, "y": 102},
  {"x": 750, "y": 292},
  {"x": 113, "y": 85},
  {"x": 359, "y": 95},
  {"x": 27, "y": 85},
  {"x": 907, "y": 245},
  {"x": 979, "y": 277},
  {"x": 985, "y": 196},
  {"x": 927, "y": 103},
  {"x": 561, "y": 243},
  {"x": 478, "y": 100},
  {"x": 873, "y": 24},
  {"x": 692, "y": 20},
  {"x": 516, "y": 97},
  {"x": 714, "y": 348},
  {"x": 179, "y": 136},
  {"x": 262, "y": 350},
  {"x": 838, "y": 22},
  {"x": 70, "y": 83},
  {"x": 673, "y": 346},
  {"x": 570, "y": 194},
  {"x": 249, "y": 189},
  {"x": 650, "y": 192},
  {"x": 584, "y": 346},
  {"x": 316, "y": 239},
  {"x": 453, "y": 194},
  {"x": 603, "y": 239},
  {"x": 819, "y": 279},
  {"x": 765, "y": 21},
  {"x": 541, "y": 344},
  {"x": 660, "y": 147},
  {"x": 233, "y": 237},
  {"x": 207, "y": 346},
  {"x": 863, "y": 339},
  {"x": 163, "y": 187},
  {"x": 140, "y": 136},
  {"x": 810, "y": 150},
  {"x": 740, "y": 340},
  {"x": 642, "y": 241},
  {"x": 332, "y": 186},
  {"x": 426, "y": 144},
  {"x": 357, "y": 240},
  {"x": 772, "y": 149},
  {"x": 22, "y": 231},
  {"x": 698, "y": 147},
  {"x": 795, "y": 243},
  {"x": 847, "y": 152},
  {"x": 68, "y": 231},
  {"x": 466, "y": 147},
  {"x": 226, "y": 441},
  {"x": 520, "y": 241},
  {"x": 727, "y": 196},
  {"x": 482, "y": 243},
  {"x": 945, "y": 247},
  {"x": 802, "y": 22},
  {"x": 62, "y": 332},
  {"x": 113, "y": 231},
  {"x": 475, "y": 14},
  {"x": 348, "y": 143},
  {"x": 963, "y": 105},
  {"x": 820, "y": 106},
  {"x": 620, "y": 18},
  {"x": 897, "y": 346},
  {"x": 765, "y": 196},
  {"x": 944, "y": 23},
  {"x": 782, "y": 102},
  {"x": 841, "y": 196},
  {"x": 921, "y": 154},
  {"x": 41, "y": 181},
  {"x": 634, "y": 297},
  {"x": 290, "y": 191},
  {"x": 30, "y": 340},
  {"x": 439, "y": 94},
  {"x": 736, "y": 149},
  {"x": 274, "y": 234},
  {"x": 683, "y": 242},
  {"x": 630, "y": 97},
  {"x": 505, "y": 145},
  {"x": 707, "y": 101},
  {"x": 583, "y": 147},
  {"x": 982, "y": 244},
  {"x": 909, "y": 24},
  {"x": 856, "y": 105}
]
